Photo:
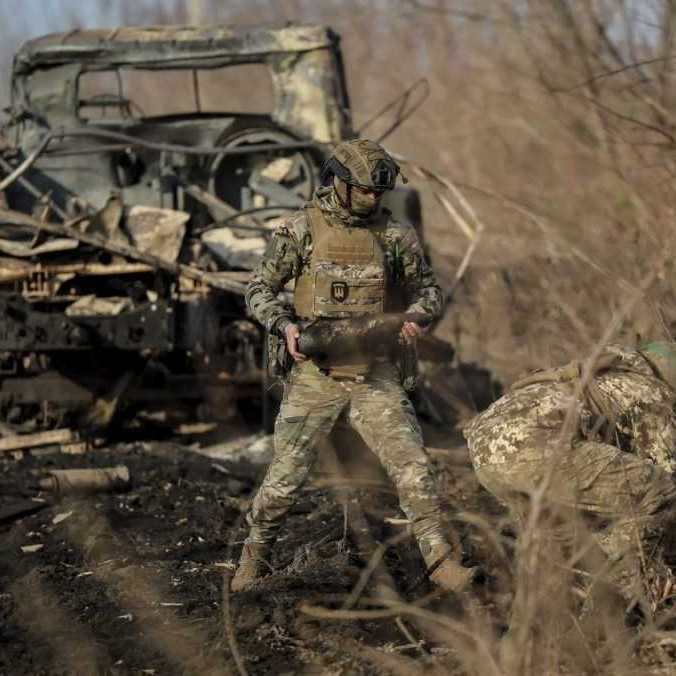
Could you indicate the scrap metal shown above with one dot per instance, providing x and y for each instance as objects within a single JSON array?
[{"x": 128, "y": 239}]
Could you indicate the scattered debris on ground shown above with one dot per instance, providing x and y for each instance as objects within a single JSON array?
[{"x": 133, "y": 581}]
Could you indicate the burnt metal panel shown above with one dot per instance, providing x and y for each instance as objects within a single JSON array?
[
  {"x": 26, "y": 329},
  {"x": 169, "y": 46}
]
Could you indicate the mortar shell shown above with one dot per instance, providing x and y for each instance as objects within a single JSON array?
[
  {"x": 342, "y": 337},
  {"x": 87, "y": 480}
]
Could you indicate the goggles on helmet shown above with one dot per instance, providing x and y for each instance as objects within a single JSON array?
[{"x": 383, "y": 176}]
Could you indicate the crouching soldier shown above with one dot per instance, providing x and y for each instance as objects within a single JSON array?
[
  {"x": 605, "y": 448},
  {"x": 345, "y": 253}
]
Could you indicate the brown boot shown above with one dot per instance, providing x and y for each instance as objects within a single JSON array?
[
  {"x": 446, "y": 572},
  {"x": 252, "y": 566}
]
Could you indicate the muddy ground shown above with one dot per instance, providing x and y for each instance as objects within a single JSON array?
[{"x": 133, "y": 582}]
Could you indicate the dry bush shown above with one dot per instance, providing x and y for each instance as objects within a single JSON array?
[
  {"x": 554, "y": 121},
  {"x": 570, "y": 166},
  {"x": 571, "y": 170}
]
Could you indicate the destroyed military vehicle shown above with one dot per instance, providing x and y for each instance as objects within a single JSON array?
[{"x": 142, "y": 170}]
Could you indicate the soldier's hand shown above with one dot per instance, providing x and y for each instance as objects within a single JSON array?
[
  {"x": 292, "y": 333},
  {"x": 410, "y": 331}
]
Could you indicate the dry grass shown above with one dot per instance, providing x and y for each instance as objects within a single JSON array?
[
  {"x": 563, "y": 146},
  {"x": 555, "y": 122}
]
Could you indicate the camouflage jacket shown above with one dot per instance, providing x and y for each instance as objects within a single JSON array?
[
  {"x": 522, "y": 424},
  {"x": 290, "y": 248}
]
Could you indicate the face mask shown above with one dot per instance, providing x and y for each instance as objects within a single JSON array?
[
  {"x": 363, "y": 203},
  {"x": 359, "y": 204}
]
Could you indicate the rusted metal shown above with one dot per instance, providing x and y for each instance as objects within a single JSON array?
[
  {"x": 153, "y": 45},
  {"x": 44, "y": 280},
  {"x": 298, "y": 56},
  {"x": 103, "y": 479},
  {"x": 128, "y": 236},
  {"x": 22, "y": 441},
  {"x": 127, "y": 141},
  {"x": 8, "y": 216},
  {"x": 18, "y": 176}
]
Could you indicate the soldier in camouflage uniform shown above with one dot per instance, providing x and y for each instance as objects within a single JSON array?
[
  {"x": 348, "y": 258},
  {"x": 606, "y": 447}
]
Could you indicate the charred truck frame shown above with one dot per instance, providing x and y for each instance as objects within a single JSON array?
[{"x": 138, "y": 191}]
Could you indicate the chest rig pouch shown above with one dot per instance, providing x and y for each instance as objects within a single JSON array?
[{"x": 346, "y": 277}]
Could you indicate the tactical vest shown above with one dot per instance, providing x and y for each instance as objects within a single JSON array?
[{"x": 346, "y": 275}]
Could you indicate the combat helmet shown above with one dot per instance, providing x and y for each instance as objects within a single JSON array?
[
  {"x": 362, "y": 163},
  {"x": 661, "y": 355}
]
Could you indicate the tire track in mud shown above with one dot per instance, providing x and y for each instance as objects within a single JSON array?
[
  {"x": 140, "y": 590},
  {"x": 71, "y": 644},
  {"x": 120, "y": 555}
]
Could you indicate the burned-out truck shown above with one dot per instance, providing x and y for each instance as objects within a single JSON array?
[{"x": 141, "y": 171}]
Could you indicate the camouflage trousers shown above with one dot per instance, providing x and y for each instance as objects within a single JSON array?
[
  {"x": 626, "y": 500},
  {"x": 381, "y": 413}
]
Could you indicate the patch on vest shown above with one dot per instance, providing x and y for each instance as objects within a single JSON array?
[{"x": 339, "y": 291}]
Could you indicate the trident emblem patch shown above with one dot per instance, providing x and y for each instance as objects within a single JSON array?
[{"x": 339, "y": 291}]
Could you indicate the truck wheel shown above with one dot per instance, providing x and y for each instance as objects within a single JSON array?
[{"x": 290, "y": 173}]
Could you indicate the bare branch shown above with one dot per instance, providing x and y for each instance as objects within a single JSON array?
[
  {"x": 450, "y": 11},
  {"x": 610, "y": 73}
]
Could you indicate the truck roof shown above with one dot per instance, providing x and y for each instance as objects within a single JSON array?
[{"x": 169, "y": 46}]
